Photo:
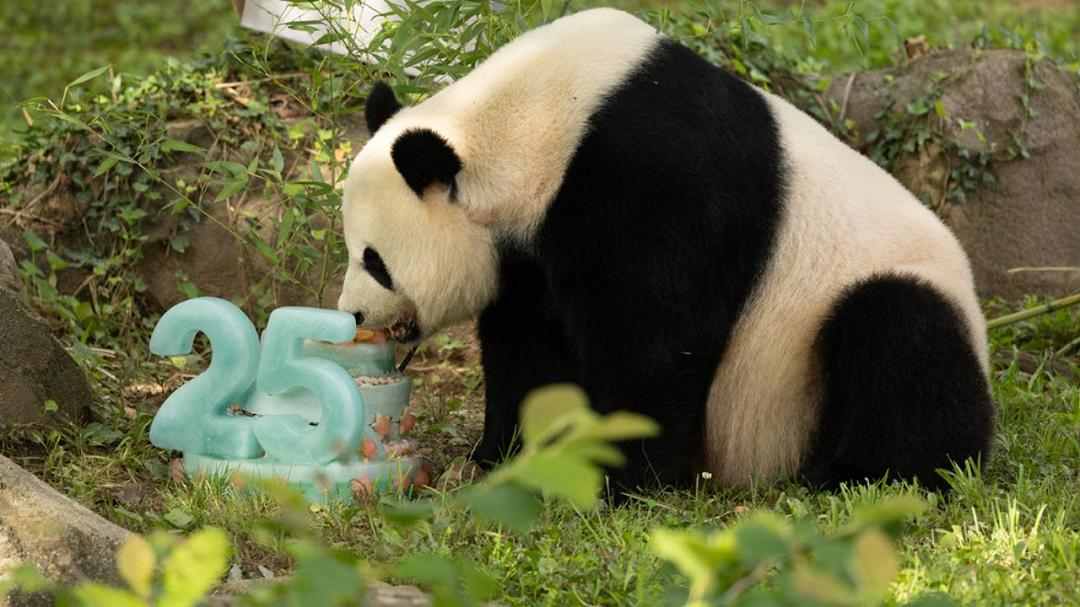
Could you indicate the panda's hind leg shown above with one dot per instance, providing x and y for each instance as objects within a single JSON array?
[{"x": 904, "y": 393}]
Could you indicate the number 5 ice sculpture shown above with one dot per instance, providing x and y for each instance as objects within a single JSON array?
[{"x": 289, "y": 409}]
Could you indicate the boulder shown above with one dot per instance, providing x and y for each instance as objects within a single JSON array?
[
  {"x": 1027, "y": 215},
  {"x": 65, "y": 541},
  {"x": 380, "y": 594},
  {"x": 215, "y": 261},
  {"x": 9, "y": 270},
  {"x": 34, "y": 366}
]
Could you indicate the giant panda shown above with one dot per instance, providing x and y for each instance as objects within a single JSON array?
[{"x": 620, "y": 214}]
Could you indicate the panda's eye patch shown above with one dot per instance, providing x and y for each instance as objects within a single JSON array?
[{"x": 375, "y": 266}]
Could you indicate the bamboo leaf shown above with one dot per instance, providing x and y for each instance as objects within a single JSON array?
[
  {"x": 175, "y": 145},
  {"x": 88, "y": 76}
]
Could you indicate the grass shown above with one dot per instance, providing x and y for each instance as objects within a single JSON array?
[
  {"x": 48, "y": 44},
  {"x": 864, "y": 34},
  {"x": 1008, "y": 535},
  {"x": 880, "y": 28}
]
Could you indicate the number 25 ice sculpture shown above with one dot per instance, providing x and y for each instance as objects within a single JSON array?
[{"x": 289, "y": 409}]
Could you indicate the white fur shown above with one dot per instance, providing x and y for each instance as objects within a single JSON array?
[
  {"x": 515, "y": 121},
  {"x": 845, "y": 218}
]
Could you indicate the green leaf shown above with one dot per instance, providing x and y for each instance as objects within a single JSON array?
[
  {"x": 277, "y": 161},
  {"x": 179, "y": 242},
  {"x": 428, "y": 569},
  {"x": 135, "y": 561},
  {"x": 508, "y": 504},
  {"x": 622, "y": 425},
  {"x": 479, "y": 586},
  {"x": 874, "y": 564},
  {"x": 563, "y": 476},
  {"x": 687, "y": 550},
  {"x": 232, "y": 186},
  {"x": 97, "y": 434},
  {"x": 175, "y": 145},
  {"x": 94, "y": 594},
  {"x": 815, "y": 586},
  {"x": 545, "y": 8},
  {"x": 808, "y": 29},
  {"x": 917, "y": 107},
  {"x": 194, "y": 567},
  {"x": 29, "y": 269},
  {"x": 409, "y": 512},
  {"x": 108, "y": 163},
  {"x": 88, "y": 76},
  {"x": 889, "y": 515},
  {"x": 55, "y": 261},
  {"x": 264, "y": 249},
  {"x": 36, "y": 244},
  {"x": 51, "y": 406},
  {"x": 594, "y": 451},
  {"x": 225, "y": 167},
  {"x": 27, "y": 578},
  {"x": 179, "y": 519},
  {"x": 288, "y": 218},
  {"x": 179, "y": 206},
  {"x": 321, "y": 577},
  {"x": 545, "y": 405},
  {"x": 68, "y": 118},
  {"x": 453, "y": 581},
  {"x": 761, "y": 538}
]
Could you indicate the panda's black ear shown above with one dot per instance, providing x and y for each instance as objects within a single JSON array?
[
  {"x": 424, "y": 158},
  {"x": 381, "y": 105}
]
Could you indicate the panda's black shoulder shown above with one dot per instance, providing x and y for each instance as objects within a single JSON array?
[{"x": 669, "y": 207}]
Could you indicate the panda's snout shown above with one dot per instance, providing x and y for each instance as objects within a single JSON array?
[{"x": 359, "y": 316}]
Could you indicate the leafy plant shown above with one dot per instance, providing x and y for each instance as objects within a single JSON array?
[
  {"x": 764, "y": 559},
  {"x": 804, "y": 567}
]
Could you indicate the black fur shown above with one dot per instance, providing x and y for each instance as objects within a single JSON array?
[
  {"x": 659, "y": 233},
  {"x": 424, "y": 158},
  {"x": 904, "y": 392},
  {"x": 380, "y": 106},
  {"x": 524, "y": 346},
  {"x": 374, "y": 266}
]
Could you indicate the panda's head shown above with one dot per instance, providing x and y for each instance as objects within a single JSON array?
[{"x": 417, "y": 262}]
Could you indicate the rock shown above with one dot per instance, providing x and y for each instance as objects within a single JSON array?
[
  {"x": 65, "y": 541},
  {"x": 10, "y": 278},
  {"x": 216, "y": 261},
  {"x": 385, "y": 595},
  {"x": 380, "y": 594},
  {"x": 1029, "y": 217},
  {"x": 34, "y": 366}
]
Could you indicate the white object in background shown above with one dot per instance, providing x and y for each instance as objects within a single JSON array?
[{"x": 273, "y": 16}]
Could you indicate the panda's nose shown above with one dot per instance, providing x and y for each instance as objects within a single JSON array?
[{"x": 359, "y": 316}]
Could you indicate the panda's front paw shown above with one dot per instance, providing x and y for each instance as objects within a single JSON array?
[{"x": 491, "y": 453}]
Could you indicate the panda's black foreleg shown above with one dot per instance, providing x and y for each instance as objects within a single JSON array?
[
  {"x": 659, "y": 379},
  {"x": 904, "y": 393},
  {"x": 523, "y": 347}
]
